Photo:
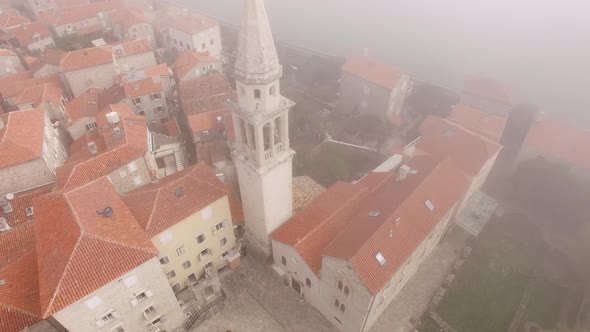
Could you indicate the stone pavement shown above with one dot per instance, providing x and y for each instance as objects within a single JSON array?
[
  {"x": 257, "y": 301},
  {"x": 414, "y": 299}
]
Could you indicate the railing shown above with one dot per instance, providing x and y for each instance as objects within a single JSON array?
[
  {"x": 198, "y": 315},
  {"x": 272, "y": 152}
]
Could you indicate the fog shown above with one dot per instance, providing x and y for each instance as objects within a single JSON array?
[{"x": 539, "y": 48}]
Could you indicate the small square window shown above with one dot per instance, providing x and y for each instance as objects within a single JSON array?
[
  {"x": 171, "y": 274},
  {"x": 137, "y": 101},
  {"x": 201, "y": 238},
  {"x": 223, "y": 242},
  {"x": 186, "y": 265},
  {"x": 164, "y": 260},
  {"x": 180, "y": 251},
  {"x": 155, "y": 96},
  {"x": 203, "y": 46}
]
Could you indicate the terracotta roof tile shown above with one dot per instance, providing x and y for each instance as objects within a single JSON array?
[
  {"x": 22, "y": 85},
  {"x": 79, "y": 13},
  {"x": 143, "y": 87},
  {"x": 189, "y": 60},
  {"x": 73, "y": 239},
  {"x": 486, "y": 88},
  {"x": 373, "y": 71},
  {"x": 85, "y": 58},
  {"x": 27, "y": 33},
  {"x": 469, "y": 150},
  {"x": 85, "y": 105},
  {"x": 45, "y": 93},
  {"x": 7, "y": 83},
  {"x": 190, "y": 23},
  {"x": 53, "y": 56},
  {"x": 133, "y": 47},
  {"x": 8, "y": 20},
  {"x": 486, "y": 124},
  {"x": 22, "y": 201},
  {"x": 127, "y": 17},
  {"x": 208, "y": 120},
  {"x": 157, "y": 207},
  {"x": 556, "y": 139},
  {"x": 22, "y": 137},
  {"x": 206, "y": 93}
]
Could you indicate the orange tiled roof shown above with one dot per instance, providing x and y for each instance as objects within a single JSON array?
[
  {"x": 157, "y": 207},
  {"x": 206, "y": 93},
  {"x": 45, "y": 93},
  {"x": 86, "y": 58},
  {"x": 127, "y": 17},
  {"x": 486, "y": 88},
  {"x": 486, "y": 124},
  {"x": 85, "y": 105},
  {"x": 8, "y": 83},
  {"x": 8, "y": 20},
  {"x": 6, "y": 52},
  {"x": 190, "y": 23},
  {"x": 21, "y": 139},
  {"x": 22, "y": 201},
  {"x": 158, "y": 70},
  {"x": 143, "y": 87},
  {"x": 208, "y": 120},
  {"x": 53, "y": 56},
  {"x": 373, "y": 71},
  {"x": 27, "y": 33},
  {"x": 133, "y": 47},
  {"x": 120, "y": 149},
  {"x": 470, "y": 151},
  {"x": 79, "y": 13},
  {"x": 559, "y": 140},
  {"x": 189, "y": 60},
  {"x": 19, "y": 86},
  {"x": 73, "y": 241},
  {"x": 19, "y": 295}
]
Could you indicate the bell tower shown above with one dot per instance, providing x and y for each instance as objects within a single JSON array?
[{"x": 262, "y": 154}]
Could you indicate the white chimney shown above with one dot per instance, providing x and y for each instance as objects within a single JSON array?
[
  {"x": 93, "y": 149},
  {"x": 404, "y": 170},
  {"x": 113, "y": 118}
]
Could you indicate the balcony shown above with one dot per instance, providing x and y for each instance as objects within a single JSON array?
[{"x": 274, "y": 151}]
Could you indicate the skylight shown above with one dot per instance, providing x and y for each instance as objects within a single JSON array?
[
  {"x": 374, "y": 213},
  {"x": 380, "y": 258},
  {"x": 429, "y": 205}
]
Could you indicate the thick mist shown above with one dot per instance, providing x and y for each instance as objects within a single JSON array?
[{"x": 539, "y": 48}]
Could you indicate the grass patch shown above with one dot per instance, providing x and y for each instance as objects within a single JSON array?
[
  {"x": 488, "y": 289},
  {"x": 545, "y": 303}
]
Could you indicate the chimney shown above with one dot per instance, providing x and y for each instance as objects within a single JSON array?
[
  {"x": 113, "y": 118},
  {"x": 403, "y": 172},
  {"x": 5, "y": 203},
  {"x": 93, "y": 149}
]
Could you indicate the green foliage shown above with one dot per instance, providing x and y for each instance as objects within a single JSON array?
[{"x": 72, "y": 42}]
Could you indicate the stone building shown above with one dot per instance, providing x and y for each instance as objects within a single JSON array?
[
  {"x": 190, "y": 220},
  {"x": 31, "y": 148},
  {"x": 83, "y": 19},
  {"x": 98, "y": 270},
  {"x": 372, "y": 87},
  {"x": 261, "y": 152},
  {"x": 81, "y": 112},
  {"x": 351, "y": 250},
  {"x": 9, "y": 62},
  {"x": 191, "y": 64},
  {"x": 183, "y": 30},
  {"x": 130, "y": 24},
  {"x": 34, "y": 36}
]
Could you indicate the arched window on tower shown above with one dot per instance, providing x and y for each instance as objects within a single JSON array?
[
  {"x": 272, "y": 91},
  {"x": 266, "y": 131},
  {"x": 283, "y": 260},
  {"x": 278, "y": 131},
  {"x": 257, "y": 94}
]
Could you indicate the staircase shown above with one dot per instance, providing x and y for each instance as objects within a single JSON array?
[{"x": 178, "y": 158}]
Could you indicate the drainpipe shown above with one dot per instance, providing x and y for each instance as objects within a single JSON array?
[{"x": 368, "y": 311}]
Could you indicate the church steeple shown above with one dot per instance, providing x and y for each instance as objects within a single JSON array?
[
  {"x": 257, "y": 60},
  {"x": 261, "y": 152}
]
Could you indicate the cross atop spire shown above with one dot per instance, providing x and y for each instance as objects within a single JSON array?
[{"x": 257, "y": 60}]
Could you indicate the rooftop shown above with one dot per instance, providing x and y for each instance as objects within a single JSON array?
[
  {"x": 126, "y": 17},
  {"x": 158, "y": 207},
  {"x": 206, "y": 93},
  {"x": 79, "y": 13},
  {"x": 469, "y": 150},
  {"x": 8, "y": 20},
  {"x": 21, "y": 138},
  {"x": 73, "y": 239},
  {"x": 373, "y": 71},
  {"x": 189, "y": 23},
  {"x": 85, "y": 105},
  {"x": 561, "y": 141},
  {"x": 101, "y": 55},
  {"x": 210, "y": 120},
  {"x": 44, "y": 93},
  {"x": 30, "y": 32},
  {"x": 189, "y": 60},
  {"x": 143, "y": 87},
  {"x": 488, "y": 125}
]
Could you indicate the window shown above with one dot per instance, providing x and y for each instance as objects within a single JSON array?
[
  {"x": 136, "y": 101},
  {"x": 180, "y": 250},
  {"x": 257, "y": 94},
  {"x": 218, "y": 227},
  {"x": 223, "y": 241},
  {"x": 181, "y": 44},
  {"x": 203, "y": 46},
  {"x": 107, "y": 318},
  {"x": 346, "y": 290},
  {"x": 342, "y": 307},
  {"x": 283, "y": 260},
  {"x": 205, "y": 132},
  {"x": 171, "y": 274},
  {"x": 205, "y": 252},
  {"x": 429, "y": 205},
  {"x": 155, "y": 96},
  {"x": 176, "y": 288},
  {"x": 117, "y": 329},
  {"x": 272, "y": 91},
  {"x": 380, "y": 258},
  {"x": 90, "y": 126},
  {"x": 186, "y": 265},
  {"x": 164, "y": 260},
  {"x": 159, "y": 109},
  {"x": 175, "y": 41},
  {"x": 36, "y": 37},
  {"x": 201, "y": 238},
  {"x": 149, "y": 311},
  {"x": 212, "y": 41},
  {"x": 204, "y": 70},
  {"x": 337, "y": 303},
  {"x": 308, "y": 282},
  {"x": 340, "y": 285}
]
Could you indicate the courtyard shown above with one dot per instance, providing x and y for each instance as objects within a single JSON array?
[{"x": 257, "y": 301}]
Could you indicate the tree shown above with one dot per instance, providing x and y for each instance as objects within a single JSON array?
[{"x": 72, "y": 42}]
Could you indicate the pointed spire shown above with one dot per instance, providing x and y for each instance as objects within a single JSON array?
[{"x": 257, "y": 60}]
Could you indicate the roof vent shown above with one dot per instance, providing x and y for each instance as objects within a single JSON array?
[
  {"x": 178, "y": 192},
  {"x": 4, "y": 225},
  {"x": 113, "y": 117},
  {"x": 107, "y": 212},
  {"x": 29, "y": 211},
  {"x": 429, "y": 205},
  {"x": 374, "y": 213},
  {"x": 5, "y": 203}
]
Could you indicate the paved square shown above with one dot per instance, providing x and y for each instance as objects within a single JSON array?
[{"x": 257, "y": 301}]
